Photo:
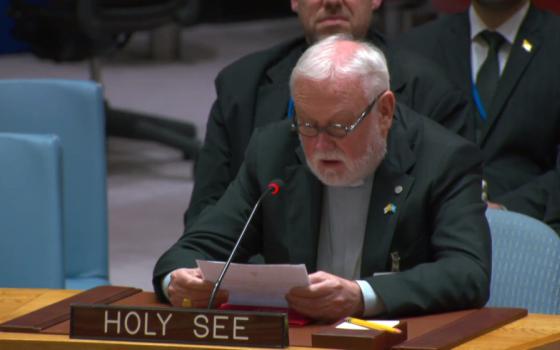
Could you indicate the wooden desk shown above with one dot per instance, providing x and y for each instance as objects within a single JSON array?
[{"x": 528, "y": 333}]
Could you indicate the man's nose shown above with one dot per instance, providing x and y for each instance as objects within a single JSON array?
[
  {"x": 324, "y": 142},
  {"x": 332, "y": 4}
]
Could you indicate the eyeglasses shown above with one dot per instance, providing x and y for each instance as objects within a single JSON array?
[{"x": 335, "y": 130}]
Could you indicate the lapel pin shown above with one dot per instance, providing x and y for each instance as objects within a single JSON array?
[
  {"x": 398, "y": 189},
  {"x": 527, "y": 45},
  {"x": 390, "y": 209}
]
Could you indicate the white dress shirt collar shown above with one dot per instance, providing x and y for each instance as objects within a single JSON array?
[{"x": 508, "y": 29}]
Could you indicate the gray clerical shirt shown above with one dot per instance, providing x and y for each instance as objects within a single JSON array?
[{"x": 341, "y": 236}]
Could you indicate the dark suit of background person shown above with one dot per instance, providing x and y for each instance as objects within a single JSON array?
[
  {"x": 438, "y": 228},
  {"x": 254, "y": 91},
  {"x": 520, "y": 139}
]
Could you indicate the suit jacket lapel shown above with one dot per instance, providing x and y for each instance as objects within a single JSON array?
[
  {"x": 457, "y": 41},
  {"x": 303, "y": 212},
  {"x": 398, "y": 79},
  {"x": 454, "y": 54},
  {"x": 390, "y": 189},
  {"x": 519, "y": 59},
  {"x": 272, "y": 97}
]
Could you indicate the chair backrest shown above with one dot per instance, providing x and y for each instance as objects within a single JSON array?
[
  {"x": 99, "y": 17},
  {"x": 74, "y": 111},
  {"x": 525, "y": 263},
  {"x": 31, "y": 252},
  {"x": 74, "y": 30}
]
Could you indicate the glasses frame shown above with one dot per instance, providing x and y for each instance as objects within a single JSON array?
[{"x": 297, "y": 126}]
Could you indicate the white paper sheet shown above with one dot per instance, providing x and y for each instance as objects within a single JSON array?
[
  {"x": 256, "y": 285},
  {"x": 348, "y": 325}
]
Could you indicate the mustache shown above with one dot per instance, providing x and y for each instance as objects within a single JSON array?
[{"x": 329, "y": 155}]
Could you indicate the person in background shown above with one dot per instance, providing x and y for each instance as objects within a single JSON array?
[
  {"x": 381, "y": 229},
  {"x": 504, "y": 54}
]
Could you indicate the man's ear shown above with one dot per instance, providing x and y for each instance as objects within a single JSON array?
[
  {"x": 386, "y": 109},
  {"x": 374, "y": 4},
  {"x": 295, "y": 3}
]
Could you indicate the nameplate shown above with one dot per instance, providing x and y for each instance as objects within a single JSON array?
[{"x": 179, "y": 325}]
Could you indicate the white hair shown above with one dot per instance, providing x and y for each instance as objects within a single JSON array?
[{"x": 321, "y": 61}]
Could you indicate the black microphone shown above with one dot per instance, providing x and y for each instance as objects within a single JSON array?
[{"x": 272, "y": 188}]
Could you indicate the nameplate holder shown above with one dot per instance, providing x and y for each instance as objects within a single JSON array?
[{"x": 179, "y": 325}]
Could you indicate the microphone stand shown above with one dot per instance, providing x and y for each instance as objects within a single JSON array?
[{"x": 269, "y": 189}]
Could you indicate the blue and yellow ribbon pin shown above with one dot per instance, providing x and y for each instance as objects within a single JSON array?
[{"x": 390, "y": 209}]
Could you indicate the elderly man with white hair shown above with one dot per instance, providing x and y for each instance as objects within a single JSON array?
[{"x": 382, "y": 205}]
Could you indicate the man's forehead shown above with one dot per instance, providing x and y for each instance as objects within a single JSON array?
[
  {"x": 341, "y": 106},
  {"x": 335, "y": 88}
]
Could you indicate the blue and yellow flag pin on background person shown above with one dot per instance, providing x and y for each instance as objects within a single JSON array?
[
  {"x": 390, "y": 209},
  {"x": 527, "y": 45}
]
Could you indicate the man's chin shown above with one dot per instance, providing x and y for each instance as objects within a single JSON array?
[
  {"x": 332, "y": 181},
  {"x": 325, "y": 30},
  {"x": 500, "y": 5},
  {"x": 331, "y": 178},
  {"x": 331, "y": 172}
]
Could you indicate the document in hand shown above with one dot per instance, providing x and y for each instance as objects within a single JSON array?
[{"x": 256, "y": 285}]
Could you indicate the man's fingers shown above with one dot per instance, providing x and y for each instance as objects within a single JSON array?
[
  {"x": 305, "y": 303},
  {"x": 318, "y": 276},
  {"x": 201, "y": 285},
  {"x": 189, "y": 279},
  {"x": 319, "y": 287},
  {"x": 199, "y": 298},
  {"x": 315, "y": 309},
  {"x": 328, "y": 297}
]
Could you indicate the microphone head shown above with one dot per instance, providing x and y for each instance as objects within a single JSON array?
[{"x": 274, "y": 186}]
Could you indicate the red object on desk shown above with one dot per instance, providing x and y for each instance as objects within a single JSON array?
[{"x": 294, "y": 318}]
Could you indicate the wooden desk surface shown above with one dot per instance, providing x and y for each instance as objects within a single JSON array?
[{"x": 527, "y": 333}]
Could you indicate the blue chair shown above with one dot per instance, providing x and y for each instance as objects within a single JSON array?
[
  {"x": 31, "y": 252},
  {"x": 72, "y": 110},
  {"x": 525, "y": 263}
]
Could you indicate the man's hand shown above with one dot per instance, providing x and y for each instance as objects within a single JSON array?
[
  {"x": 188, "y": 283},
  {"x": 494, "y": 205},
  {"x": 328, "y": 297}
]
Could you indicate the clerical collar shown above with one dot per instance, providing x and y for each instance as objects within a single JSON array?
[{"x": 359, "y": 183}]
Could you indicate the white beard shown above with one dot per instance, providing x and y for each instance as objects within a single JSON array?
[{"x": 357, "y": 170}]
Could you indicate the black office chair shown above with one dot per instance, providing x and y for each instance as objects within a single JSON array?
[{"x": 75, "y": 30}]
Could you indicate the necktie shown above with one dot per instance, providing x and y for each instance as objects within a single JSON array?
[{"x": 489, "y": 73}]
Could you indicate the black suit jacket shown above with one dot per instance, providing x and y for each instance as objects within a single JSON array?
[
  {"x": 439, "y": 228},
  {"x": 521, "y": 136},
  {"x": 254, "y": 91}
]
